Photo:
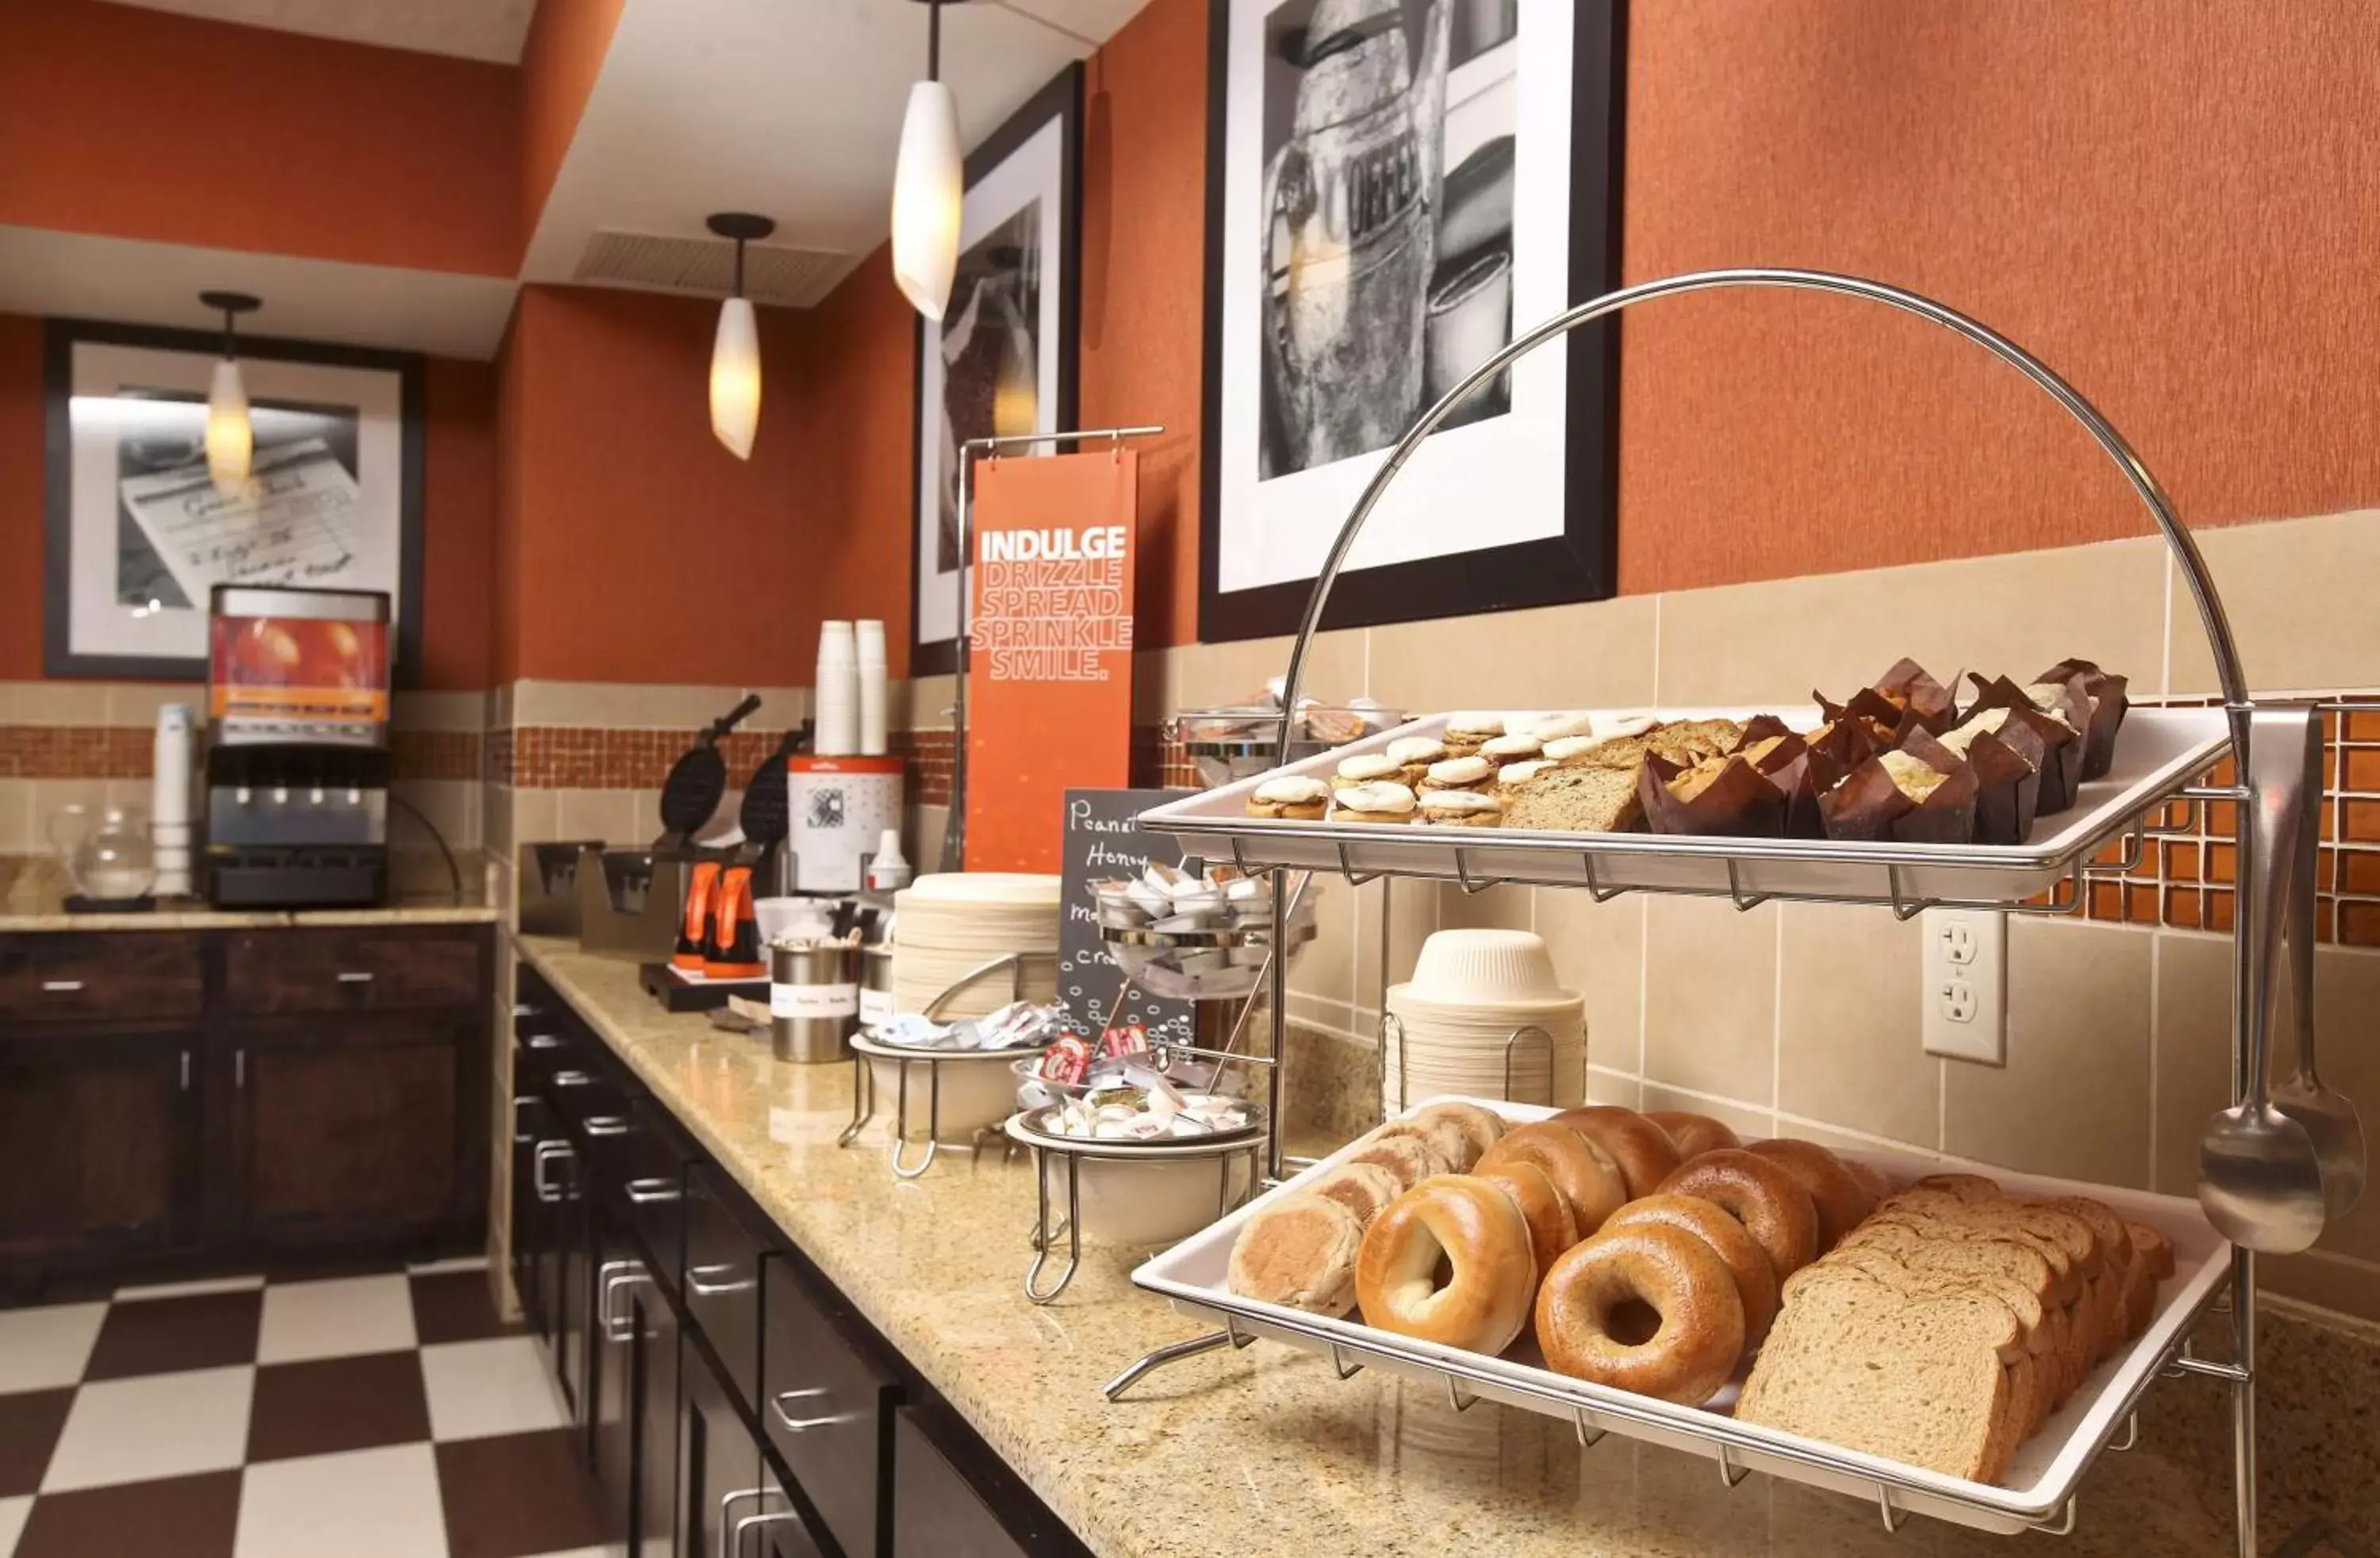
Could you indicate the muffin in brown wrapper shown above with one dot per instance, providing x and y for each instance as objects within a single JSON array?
[
  {"x": 1734, "y": 799},
  {"x": 2060, "y": 764},
  {"x": 2108, "y": 706},
  {"x": 1783, "y": 757},
  {"x": 1844, "y": 745},
  {"x": 1864, "y": 806},
  {"x": 1884, "y": 719},
  {"x": 2008, "y": 787},
  {"x": 1871, "y": 804},
  {"x": 1948, "y": 816},
  {"x": 1913, "y": 689}
]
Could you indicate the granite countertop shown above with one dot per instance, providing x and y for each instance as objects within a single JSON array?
[
  {"x": 1263, "y": 1451},
  {"x": 192, "y": 915}
]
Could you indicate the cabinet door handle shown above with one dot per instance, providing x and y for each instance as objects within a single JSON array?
[
  {"x": 727, "y": 1504},
  {"x": 571, "y": 1079},
  {"x": 611, "y": 1277},
  {"x": 546, "y": 1152},
  {"x": 356, "y": 976},
  {"x": 800, "y": 1425},
  {"x": 186, "y": 1071},
  {"x": 646, "y": 1192},
  {"x": 735, "y": 1539},
  {"x": 239, "y": 1068},
  {"x": 606, "y": 1125},
  {"x": 703, "y": 1281},
  {"x": 543, "y": 1040},
  {"x": 523, "y": 1009},
  {"x": 61, "y": 987}
]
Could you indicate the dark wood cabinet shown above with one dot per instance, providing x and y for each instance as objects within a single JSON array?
[
  {"x": 143, "y": 976},
  {"x": 938, "y": 1514},
  {"x": 362, "y": 970},
  {"x": 176, "y": 1103},
  {"x": 99, "y": 1147},
  {"x": 352, "y": 1129}
]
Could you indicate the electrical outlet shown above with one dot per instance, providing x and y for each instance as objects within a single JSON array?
[{"x": 1965, "y": 985}]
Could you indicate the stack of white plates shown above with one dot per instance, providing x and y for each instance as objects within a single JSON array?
[
  {"x": 1471, "y": 992},
  {"x": 946, "y": 926}
]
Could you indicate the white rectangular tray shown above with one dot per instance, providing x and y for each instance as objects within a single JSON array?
[
  {"x": 2040, "y": 1481},
  {"x": 2157, "y": 752}
]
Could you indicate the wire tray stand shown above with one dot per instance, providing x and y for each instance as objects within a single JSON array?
[
  {"x": 863, "y": 1072},
  {"x": 2268, "y": 741}
]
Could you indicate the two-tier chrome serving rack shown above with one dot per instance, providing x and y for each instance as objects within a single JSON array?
[{"x": 2275, "y": 754}]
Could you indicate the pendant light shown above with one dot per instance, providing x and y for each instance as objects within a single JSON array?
[
  {"x": 231, "y": 441},
  {"x": 735, "y": 349},
  {"x": 927, "y": 183}
]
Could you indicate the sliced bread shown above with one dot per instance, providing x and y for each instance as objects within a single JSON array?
[
  {"x": 1588, "y": 799},
  {"x": 1916, "y": 1379}
]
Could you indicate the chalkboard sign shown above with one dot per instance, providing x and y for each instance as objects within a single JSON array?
[{"x": 1102, "y": 843}]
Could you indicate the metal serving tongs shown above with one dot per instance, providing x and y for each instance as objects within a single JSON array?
[{"x": 2329, "y": 1117}]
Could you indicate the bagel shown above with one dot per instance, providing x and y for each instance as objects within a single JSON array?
[
  {"x": 1411, "y": 1157},
  {"x": 1755, "y": 1279},
  {"x": 1478, "y": 1231},
  {"x": 1299, "y": 1252},
  {"x": 1694, "y": 1133},
  {"x": 1480, "y": 1128},
  {"x": 1583, "y": 1172},
  {"x": 1760, "y": 1194},
  {"x": 1552, "y": 1228},
  {"x": 1672, "y": 1272},
  {"x": 1365, "y": 1189},
  {"x": 1842, "y": 1201},
  {"x": 1643, "y": 1152}
]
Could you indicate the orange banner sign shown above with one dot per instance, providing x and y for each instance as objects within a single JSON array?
[{"x": 1050, "y": 688}]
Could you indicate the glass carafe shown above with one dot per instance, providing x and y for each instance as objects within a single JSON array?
[{"x": 106, "y": 851}]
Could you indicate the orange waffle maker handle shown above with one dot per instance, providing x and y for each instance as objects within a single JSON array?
[{"x": 701, "y": 887}]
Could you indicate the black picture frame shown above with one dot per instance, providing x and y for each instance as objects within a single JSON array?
[
  {"x": 1580, "y": 564},
  {"x": 60, "y": 336},
  {"x": 1059, "y": 98}
]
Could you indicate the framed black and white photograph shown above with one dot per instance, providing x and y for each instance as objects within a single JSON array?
[
  {"x": 1393, "y": 187},
  {"x": 138, "y": 533},
  {"x": 1001, "y": 361}
]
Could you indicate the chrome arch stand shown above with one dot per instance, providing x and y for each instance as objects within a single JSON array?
[{"x": 2265, "y": 886}]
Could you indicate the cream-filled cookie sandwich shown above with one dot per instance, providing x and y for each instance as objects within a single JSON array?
[
  {"x": 1365, "y": 767},
  {"x": 1457, "y": 774},
  {"x": 1510, "y": 749},
  {"x": 1462, "y": 808},
  {"x": 1466, "y": 728},
  {"x": 1292, "y": 795},
  {"x": 1382, "y": 800},
  {"x": 1412, "y": 755}
]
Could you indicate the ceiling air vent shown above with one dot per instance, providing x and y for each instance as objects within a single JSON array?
[{"x": 773, "y": 273}]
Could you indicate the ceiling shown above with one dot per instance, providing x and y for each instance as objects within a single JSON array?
[
  {"x": 489, "y": 29},
  {"x": 790, "y": 108}
]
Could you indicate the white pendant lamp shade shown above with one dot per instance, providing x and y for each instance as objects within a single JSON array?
[
  {"x": 928, "y": 182},
  {"x": 735, "y": 377},
  {"x": 231, "y": 442}
]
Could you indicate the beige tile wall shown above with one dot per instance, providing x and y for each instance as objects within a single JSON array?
[{"x": 1805, "y": 1019}]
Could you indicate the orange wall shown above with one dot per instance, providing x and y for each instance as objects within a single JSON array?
[
  {"x": 21, "y": 498},
  {"x": 1144, "y": 235},
  {"x": 636, "y": 548},
  {"x": 456, "y": 512},
  {"x": 560, "y": 59},
  {"x": 2174, "y": 206},
  {"x": 142, "y": 123}
]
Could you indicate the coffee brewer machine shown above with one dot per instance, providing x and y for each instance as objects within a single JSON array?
[{"x": 297, "y": 760}]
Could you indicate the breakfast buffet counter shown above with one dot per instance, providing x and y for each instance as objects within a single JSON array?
[{"x": 1264, "y": 1452}]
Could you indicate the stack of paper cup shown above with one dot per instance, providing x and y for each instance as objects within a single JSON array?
[
  {"x": 837, "y": 693},
  {"x": 169, "y": 808},
  {"x": 871, "y": 687}
]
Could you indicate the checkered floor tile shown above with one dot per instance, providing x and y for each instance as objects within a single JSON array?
[{"x": 388, "y": 1413}]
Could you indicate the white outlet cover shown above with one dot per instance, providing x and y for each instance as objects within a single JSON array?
[{"x": 1964, "y": 991}]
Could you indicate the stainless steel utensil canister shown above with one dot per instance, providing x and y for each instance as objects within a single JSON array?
[
  {"x": 875, "y": 985},
  {"x": 813, "y": 1002}
]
